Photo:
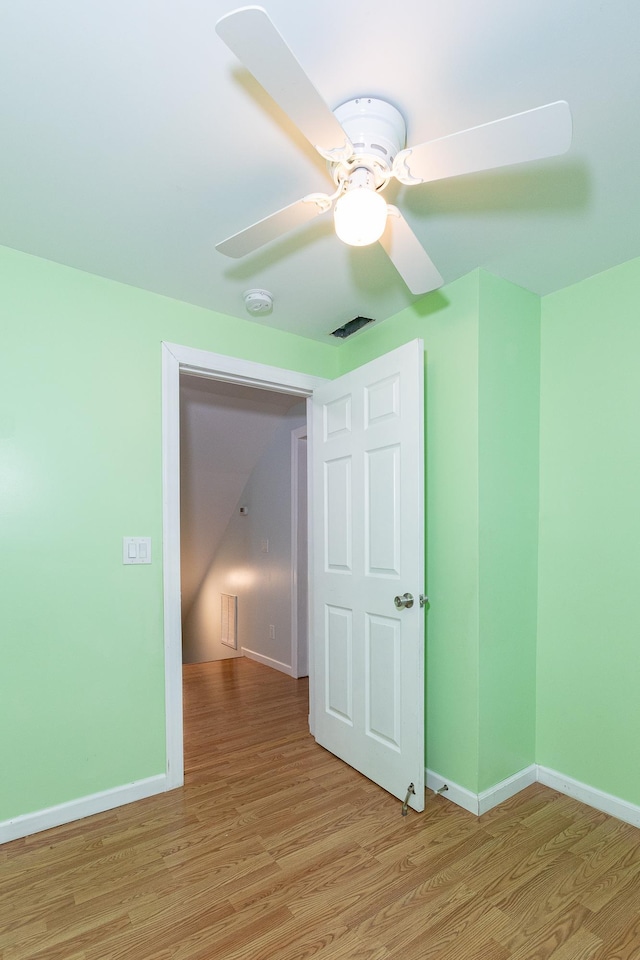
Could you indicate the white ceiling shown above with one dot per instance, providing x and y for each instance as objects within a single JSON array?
[{"x": 131, "y": 141}]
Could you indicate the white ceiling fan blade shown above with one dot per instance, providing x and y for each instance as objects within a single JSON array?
[
  {"x": 532, "y": 135},
  {"x": 270, "y": 228},
  {"x": 250, "y": 34},
  {"x": 408, "y": 256}
]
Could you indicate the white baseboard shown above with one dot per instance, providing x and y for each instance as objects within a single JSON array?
[
  {"x": 479, "y": 803},
  {"x": 475, "y": 803},
  {"x": 454, "y": 792},
  {"x": 267, "y": 661},
  {"x": 28, "y": 823},
  {"x": 606, "y": 802},
  {"x": 506, "y": 788}
]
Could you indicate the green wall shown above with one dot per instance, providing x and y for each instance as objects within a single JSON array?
[
  {"x": 509, "y": 365},
  {"x": 82, "y": 680},
  {"x": 82, "y": 671},
  {"x": 589, "y": 617}
]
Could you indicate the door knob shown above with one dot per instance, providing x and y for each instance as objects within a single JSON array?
[{"x": 406, "y": 600}]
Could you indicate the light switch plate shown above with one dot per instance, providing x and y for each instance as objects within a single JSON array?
[{"x": 136, "y": 549}]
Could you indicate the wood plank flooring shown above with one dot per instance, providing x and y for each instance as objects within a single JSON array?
[{"x": 276, "y": 849}]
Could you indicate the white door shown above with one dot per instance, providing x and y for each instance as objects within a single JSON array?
[{"x": 368, "y": 548}]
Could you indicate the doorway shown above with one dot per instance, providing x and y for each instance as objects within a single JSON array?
[
  {"x": 366, "y": 514},
  {"x": 179, "y": 360},
  {"x": 237, "y": 491}
]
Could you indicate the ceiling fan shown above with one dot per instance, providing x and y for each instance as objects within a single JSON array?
[{"x": 363, "y": 142}]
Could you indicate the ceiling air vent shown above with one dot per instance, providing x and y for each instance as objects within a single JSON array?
[{"x": 351, "y": 327}]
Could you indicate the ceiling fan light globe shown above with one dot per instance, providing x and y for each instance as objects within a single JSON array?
[{"x": 360, "y": 216}]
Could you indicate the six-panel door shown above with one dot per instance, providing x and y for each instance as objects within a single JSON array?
[{"x": 367, "y": 548}]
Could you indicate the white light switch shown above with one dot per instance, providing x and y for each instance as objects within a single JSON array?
[{"x": 136, "y": 549}]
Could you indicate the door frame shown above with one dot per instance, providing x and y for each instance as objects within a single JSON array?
[{"x": 177, "y": 359}]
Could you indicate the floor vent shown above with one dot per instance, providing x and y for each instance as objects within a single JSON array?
[
  {"x": 229, "y": 620},
  {"x": 351, "y": 327}
]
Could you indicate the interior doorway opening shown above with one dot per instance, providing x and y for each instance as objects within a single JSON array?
[
  {"x": 180, "y": 361},
  {"x": 243, "y": 524}
]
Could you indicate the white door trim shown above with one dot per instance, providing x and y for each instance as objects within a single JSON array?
[{"x": 177, "y": 359}]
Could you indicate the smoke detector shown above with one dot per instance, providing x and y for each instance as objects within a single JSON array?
[{"x": 258, "y": 302}]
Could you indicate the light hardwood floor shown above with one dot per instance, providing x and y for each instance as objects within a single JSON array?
[{"x": 276, "y": 849}]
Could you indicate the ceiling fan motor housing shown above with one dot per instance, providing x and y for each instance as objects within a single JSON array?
[{"x": 375, "y": 128}]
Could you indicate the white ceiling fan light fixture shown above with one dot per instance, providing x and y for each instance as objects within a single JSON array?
[
  {"x": 364, "y": 143},
  {"x": 377, "y": 132},
  {"x": 360, "y": 214}
]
